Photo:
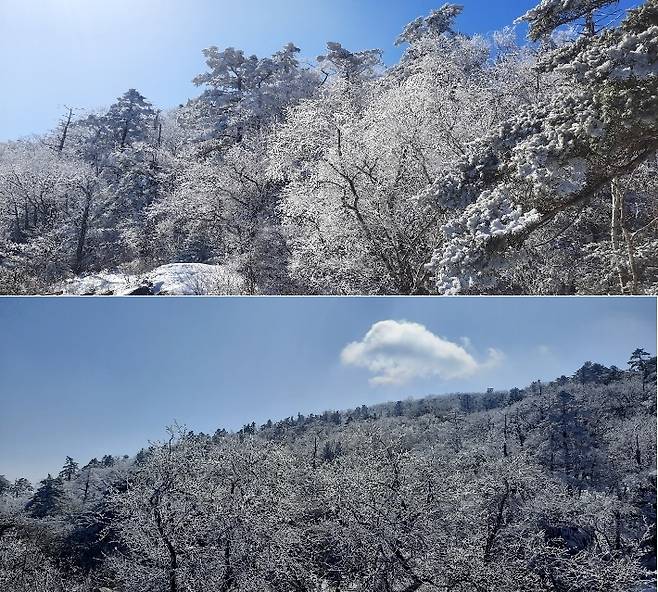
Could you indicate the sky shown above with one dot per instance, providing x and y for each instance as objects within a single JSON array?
[
  {"x": 88, "y": 377},
  {"x": 85, "y": 53}
]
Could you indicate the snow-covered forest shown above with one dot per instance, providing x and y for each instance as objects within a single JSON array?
[
  {"x": 473, "y": 165},
  {"x": 550, "y": 487}
]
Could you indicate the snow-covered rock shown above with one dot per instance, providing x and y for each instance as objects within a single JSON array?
[
  {"x": 176, "y": 279},
  {"x": 100, "y": 283},
  {"x": 196, "y": 278}
]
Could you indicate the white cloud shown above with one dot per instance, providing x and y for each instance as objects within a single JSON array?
[{"x": 399, "y": 351}]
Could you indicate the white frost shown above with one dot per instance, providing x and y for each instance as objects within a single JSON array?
[{"x": 176, "y": 279}]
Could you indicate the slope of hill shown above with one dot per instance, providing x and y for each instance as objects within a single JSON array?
[{"x": 551, "y": 487}]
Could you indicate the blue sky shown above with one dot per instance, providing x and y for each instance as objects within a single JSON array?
[
  {"x": 87, "y": 377},
  {"x": 85, "y": 53}
]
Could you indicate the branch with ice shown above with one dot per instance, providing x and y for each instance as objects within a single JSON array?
[{"x": 463, "y": 263}]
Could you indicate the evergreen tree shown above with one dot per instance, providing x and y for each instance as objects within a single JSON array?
[
  {"x": 551, "y": 14},
  {"x": 92, "y": 464},
  {"x": 69, "y": 470},
  {"x": 638, "y": 360},
  {"x": 641, "y": 362},
  {"x": 515, "y": 395},
  {"x": 48, "y": 498},
  {"x": 142, "y": 456},
  {"x": 129, "y": 119},
  {"x": 438, "y": 22},
  {"x": 614, "y": 374},
  {"x": 353, "y": 67},
  {"x": 21, "y": 486},
  {"x": 591, "y": 372},
  {"x": 552, "y": 156}
]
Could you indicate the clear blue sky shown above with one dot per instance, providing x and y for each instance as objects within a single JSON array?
[
  {"x": 87, "y": 377},
  {"x": 84, "y": 53}
]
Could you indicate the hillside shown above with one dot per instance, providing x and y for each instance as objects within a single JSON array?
[{"x": 549, "y": 487}]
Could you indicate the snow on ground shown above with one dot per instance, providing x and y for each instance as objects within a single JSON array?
[
  {"x": 180, "y": 279},
  {"x": 101, "y": 283},
  {"x": 196, "y": 278}
]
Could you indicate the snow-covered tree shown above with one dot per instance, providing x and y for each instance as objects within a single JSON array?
[
  {"x": 554, "y": 156},
  {"x": 352, "y": 67},
  {"x": 48, "y": 499},
  {"x": 130, "y": 119}
]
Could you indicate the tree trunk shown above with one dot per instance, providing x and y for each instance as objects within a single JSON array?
[
  {"x": 498, "y": 523},
  {"x": 173, "y": 557},
  {"x": 590, "y": 26},
  {"x": 630, "y": 249},
  {"x": 82, "y": 234},
  {"x": 615, "y": 228},
  {"x": 65, "y": 131}
]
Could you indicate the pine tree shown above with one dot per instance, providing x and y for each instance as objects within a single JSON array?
[
  {"x": 129, "y": 119},
  {"x": 551, "y": 14},
  {"x": 5, "y": 484},
  {"x": 48, "y": 498},
  {"x": 555, "y": 154},
  {"x": 69, "y": 470},
  {"x": 515, "y": 395},
  {"x": 591, "y": 372},
  {"x": 438, "y": 22},
  {"x": 21, "y": 486},
  {"x": 351, "y": 66},
  {"x": 640, "y": 361}
]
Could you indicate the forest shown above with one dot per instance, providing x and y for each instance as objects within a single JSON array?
[
  {"x": 551, "y": 487},
  {"x": 521, "y": 162}
]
